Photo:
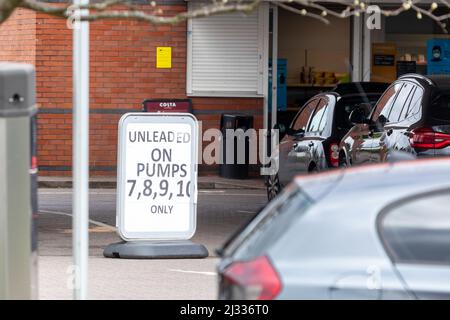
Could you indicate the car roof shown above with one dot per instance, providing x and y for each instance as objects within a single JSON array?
[
  {"x": 349, "y": 202},
  {"x": 441, "y": 82},
  {"x": 360, "y": 87},
  {"x": 403, "y": 176}
]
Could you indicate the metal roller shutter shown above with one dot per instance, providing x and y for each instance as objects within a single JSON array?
[{"x": 225, "y": 54}]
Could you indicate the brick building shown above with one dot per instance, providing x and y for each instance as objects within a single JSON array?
[{"x": 123, "y": 73}]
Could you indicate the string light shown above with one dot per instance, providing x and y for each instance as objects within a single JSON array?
[
  {"x": 324, "y": 13},
  {"x": 419, "y": 15},
  {"x": 407, "y": 5},
  {"x": 433, "y": 6},
  {"x": 303, "y": 12},
  {"x": 356, "y": 2}
]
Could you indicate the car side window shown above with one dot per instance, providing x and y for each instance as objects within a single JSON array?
[
  {"x": 418, "y": 230},
  {"x": 413, "y": 109},
  {"x": 399, "y": 104},
  {"x": 301, "y": 120},
  {"x": 386, "y": 101},
  {"x": 440, "y": 107},
  {"x": 319, "y": 117}
]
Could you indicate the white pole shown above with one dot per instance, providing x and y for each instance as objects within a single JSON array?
[
  {"x": 266, "y": 37},
  {"x": 357, "y": 50},
  {"x": 80, "y": 158},
  {"x": 274, "y": 65},
  {"x": 367, "y": 52}
]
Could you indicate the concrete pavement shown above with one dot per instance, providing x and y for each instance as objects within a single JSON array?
[{"x": 220, "y": 213}]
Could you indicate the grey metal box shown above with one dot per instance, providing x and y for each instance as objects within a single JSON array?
[{"x": 17, "y": 90}]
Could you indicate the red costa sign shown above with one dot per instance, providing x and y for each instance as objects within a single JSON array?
[{"x": 167, "y": 105}]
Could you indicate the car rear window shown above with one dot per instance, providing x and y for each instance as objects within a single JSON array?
[
  {"x": 269, "y": 225},
  {"x": 440, "y": 107}
]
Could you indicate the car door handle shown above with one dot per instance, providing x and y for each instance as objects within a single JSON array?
[
  {"x": 389, "y": 132},
  {"x": 311, "y": 144},
  {"x": 295, "y": 145}
]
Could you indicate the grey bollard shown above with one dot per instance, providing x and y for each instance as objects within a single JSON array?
[{"x": 17, "y": 106}]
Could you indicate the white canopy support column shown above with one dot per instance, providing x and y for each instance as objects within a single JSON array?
[
  {"x": 274, "y": 65},
  {"x": 361, "y": 50},
  {"x": 366, "y": 52}
]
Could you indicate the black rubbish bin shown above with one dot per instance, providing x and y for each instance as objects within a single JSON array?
[{"x": 236, "y": 168}]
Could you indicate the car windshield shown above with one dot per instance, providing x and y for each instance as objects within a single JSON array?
[
  {"x": 346, "y": 105},
  {"x": 440, "y": 108},
  {"x": 270, "y": 225}
]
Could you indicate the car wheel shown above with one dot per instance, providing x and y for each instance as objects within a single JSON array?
[
  {"x": 342, "y": 162},
  {"x": 273, "y": 186},
  {"x": 313, "y": 168}
]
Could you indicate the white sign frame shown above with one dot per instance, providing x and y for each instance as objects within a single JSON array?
[{"x": 122, "y": 188}]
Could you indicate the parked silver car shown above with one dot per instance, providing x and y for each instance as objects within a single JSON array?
[{"x": 375, "y": 232}]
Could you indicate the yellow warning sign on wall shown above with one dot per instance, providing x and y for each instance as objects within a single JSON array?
[{"x": 164, "y": 57}]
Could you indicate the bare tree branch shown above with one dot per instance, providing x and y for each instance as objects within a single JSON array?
[
  {"x": 428, "y": 13},
  {"x": 310, "y": 8},
  {"x": 7, "y": 7},
  {"x": 304, "y": 13},
  {"x": 101, "y": 13}
]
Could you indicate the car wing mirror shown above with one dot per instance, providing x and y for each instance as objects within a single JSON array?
[
  {"x": 281, "y": 128},
  {"x": 357, "y": 116},
  {"x": 366, "y": 108},
  {"x": 296, "y": 133},
  {"x": 382, "y": 120}
]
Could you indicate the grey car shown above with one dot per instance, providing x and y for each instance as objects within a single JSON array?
[{"x": 375, "y": 232}]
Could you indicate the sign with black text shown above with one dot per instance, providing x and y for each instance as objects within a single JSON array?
[{"x": 157, "y": 176}]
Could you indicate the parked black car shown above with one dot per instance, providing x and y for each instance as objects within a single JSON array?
[
  {"x": 412, "y": 116},
  {"x": 311, "y": 143}
]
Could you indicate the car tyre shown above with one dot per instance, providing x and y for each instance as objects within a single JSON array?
[
  {"x": 343, "y": 162},
  {"x": 273, "y": 186}
]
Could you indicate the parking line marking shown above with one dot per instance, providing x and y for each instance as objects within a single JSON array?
[
  {"x": 195, "y": 272},
  {"x": 241, "y": 194},
  {"x": 97, "y": 223},
  {"x": 211, "y": 191},
  {"x": 47, "y": 191}
]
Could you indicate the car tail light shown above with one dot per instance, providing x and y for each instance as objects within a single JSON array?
[
  {"x": 334, "y": 154},
  {"x": 255, "y": 279},
  {"x": 427, "y": 138}
]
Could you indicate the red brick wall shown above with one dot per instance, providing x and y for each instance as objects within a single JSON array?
[
  {"x": 122, "y": 74},
  {"x": 18, "y": 37},
  {"x": 54, "y": 94}
]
